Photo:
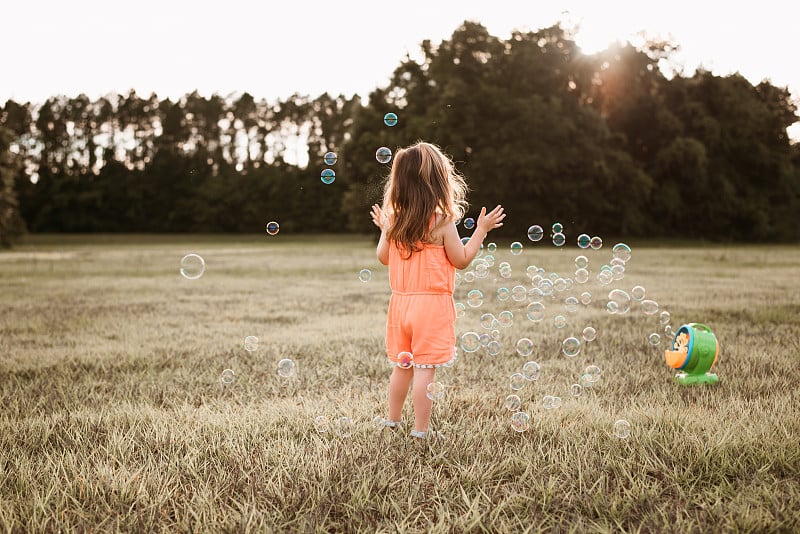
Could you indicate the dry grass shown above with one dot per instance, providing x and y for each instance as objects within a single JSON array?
[{"x": 112, "y": 416}]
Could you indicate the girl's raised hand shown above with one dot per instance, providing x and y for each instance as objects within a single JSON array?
[
  {"x": 489, "y": 221},
  {"x": 378, "y": 217}
]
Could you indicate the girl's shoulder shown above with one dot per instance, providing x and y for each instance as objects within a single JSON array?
[{"x": 439, "y": 224}]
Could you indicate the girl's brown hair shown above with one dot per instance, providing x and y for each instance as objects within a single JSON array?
[{"x": 423, "y": 182}]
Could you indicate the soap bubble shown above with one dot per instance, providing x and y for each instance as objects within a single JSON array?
[
  {"x": 560, "y": 284},
  {"x": 584, "y": 240},
  {"x": 638, "y": 293},
  {"x": 519, "y": 293},
  {"x": 622, "y": 300},
  {"x": 469, "y": 277},
  {"x": 330, "y": 158},
  {"x": 435, "y": 391},
  {"x": 571, "y": 347},
  {"x": 589, "y": 333},
  {"x": 535, "y": 232},
  {"x": 524, "y": 347},
  {"x": 494, "y": 348},
  {"x": 192, "y": 266},
  {"x": 594, "y": 373},
  {"x": 586, "y": 298},
  {"x": 273, "y": 228},
  {"x": 581, "y": 276},
  {"x": 664, "y": 317},
  {"x": 390, "y": 119},
  {"x": 327, "y": 176},
  {"x": 612, "y": 307},
  {"x": 605, "y": 277},
  {"x": 571, "y": 304},
  {"x": 321, "y": 424},
  {"x": 622, "y": 251},
  {"x": 559, "y": 239},
  {"x": 531, "y": 370},
  {"x": 251, "y": 343},
  {"x": 491, "y": 247},
  {"x": 649, "y": 307},
  {"x": 535, "y": 311},
  {"x": 286, "y": 368},
  {"x": 344, "y": 427},
  {"x": 475, "y": 298},
  {"x": 470, "y": 341},
  {"x": 512, "y": 403},
  {"x": 487, "y": 320},
  {"x": 365, "y": 275},
  {"x": 503, "y": 293},
  {"x": 622, "y": 429},
  {"x": 596, "y": 243},
  {"x": 535, "y": 295},
  {"x": 519, "y": 421},
  {"x": 575, "y": 390},
  {"x": 516, "y": 248},
  {"x": 469, "y": 223},
  {"x": 506, "y": 318},
  {"x": 383, "y": 155},
  {"x": 559, "y": 321},
  {"x": 550, "y": 402},
  {"x": 557, "y": 228},
  {"x": 460, "y": 310},
  {"x": 378, "y": 422},
  {"x": 227, "y": 377},
  {"x": 516, "y": 381},
  {"x": 585, "y": 381},
  {"x": 654, "y": 339},
  {"x": 546, "y": 287},
  {"x": 618, "y": 272},
  {"x": 484, "y": 339}
]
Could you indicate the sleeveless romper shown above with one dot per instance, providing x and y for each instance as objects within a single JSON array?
[{"x": 421, "y": 318}]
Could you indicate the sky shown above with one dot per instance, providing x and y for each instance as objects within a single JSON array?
[{"x": 271, "y": 50}]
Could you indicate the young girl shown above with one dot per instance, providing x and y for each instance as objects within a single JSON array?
[{"x": 423, "y": 199}]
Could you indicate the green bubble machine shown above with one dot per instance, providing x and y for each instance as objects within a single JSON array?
[{"x": 694, "y": 352}]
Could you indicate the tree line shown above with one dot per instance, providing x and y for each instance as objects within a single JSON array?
[{"x": 607, "y": 144}]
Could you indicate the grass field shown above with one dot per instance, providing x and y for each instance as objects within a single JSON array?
[{"x": 113, "y": 417}]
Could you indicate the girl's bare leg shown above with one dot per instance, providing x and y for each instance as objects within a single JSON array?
[
  {"x": 422, "y": 404},
  {"x": 399, "y": 383}
]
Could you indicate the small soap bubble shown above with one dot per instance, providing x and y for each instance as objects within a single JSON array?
[
  {"x": 390, "y": 119},
  {"x": 286, "y": 368},
  {"x": 273, "y": 228},
  {"x": 405, "y": 360},
  {"x": 251, "y": 343},
  {"x": 571, "y": 304},
  {"x": 435, "y": 391},
  {"x": 192, "y": 266},
  {"x": 519, "y": 293},
  {"x": 487, "y": 321},
  {"x": 475, "y": 298},
  {"x": 484, "y": 339},
  {"x": 638, "y": 293},
  {"x": 330, "y": 158},
  {"x": 576, "y": 390},
  {"x": 517, "y": 381},
  {"x": 589, "y": 333},
  {"x": 581, "y": 262},
  {"x": 618, "y": 272},
  {"x": 519, "y": 421},
  {"x": 559, "y": 239},
  {"x": 535, "y": 295},
  {"x": 584, "y": 241},
  {"x": 559, "y": 321},
  {"x": 535, "y": 232},
  {"x": 365, "y": 275},
  {"x": 605, "y": 277},
  {"x": 654, "y": 339},
  {"x": 469, "y": 277},
  {"x": 581, "y": 276},
  {"x": 531, "y": 371},
  {"x": 622, "y": 300},
  {"x": 524, "y": 346},
  {"x": 461, "y": 310},
  {"x": 469, "y": 223},
  {"x": 649, "y": 307},
  {"x": 664, "y": 317},
  {"x": 586, "y": 298},
  {"x": 548, "y": 402},
  {"x": 491, "y": 247},
  {"x": 327, "y": 176},
  {"x": 622, "y": 252},
  {"x": 506, "y": 318},
  {"x": 516, "y": 248},
  {"x": 494, "y": 348},
  {"x": 512, "y": 403},
  {"x": 378, "y": 422},
  {"x": 344, "y": 427},
  {"x": 560, "y": 284},
  {"x": 596, "y": 243},
  {"x": 383, "y": 155},
  {"x": 594, "y": 372},
  {"x": 622, "y": 429},
  {"x": 227, "y": 377},
  {"x": 503, "y": 293},
  {"x": 557, "y": 228},
  {"x": 571, "y": 347},
  {"x": 535, "y": 311},
  {"x": 612, "y": 307},
  {"x": 470, "y": 341},
  {"x": 321, "y": 424},
  {"x": 585, "y": 381},
  {"x": 546, "y": 287}
]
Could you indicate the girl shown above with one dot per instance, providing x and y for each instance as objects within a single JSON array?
[{"x": 423, "y": 198}]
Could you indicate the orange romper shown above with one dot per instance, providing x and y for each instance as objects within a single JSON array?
[{"x": 422, "y": 317}]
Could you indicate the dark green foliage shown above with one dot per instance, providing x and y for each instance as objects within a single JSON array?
[
  {"x": 11, "y": 223},
  {"x": 605, "y": 144}
]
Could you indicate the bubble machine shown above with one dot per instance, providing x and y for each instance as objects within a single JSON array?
[{"x": 694, "y": 352}]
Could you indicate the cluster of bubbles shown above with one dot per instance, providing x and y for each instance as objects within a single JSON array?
[{"x": 328, "y": 175}]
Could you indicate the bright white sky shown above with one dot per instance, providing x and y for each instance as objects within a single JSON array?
[{"x": 271, "y": 50}]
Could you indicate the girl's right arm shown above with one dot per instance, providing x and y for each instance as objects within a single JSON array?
[
  {"x": 461, "y": 255},
  {"x": 381, "y": 221}
]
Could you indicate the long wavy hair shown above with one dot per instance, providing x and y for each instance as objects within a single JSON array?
[{"x": 422, "y": 182}]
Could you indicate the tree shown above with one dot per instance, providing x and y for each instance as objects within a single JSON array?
[{"x": 11, "y": 223}]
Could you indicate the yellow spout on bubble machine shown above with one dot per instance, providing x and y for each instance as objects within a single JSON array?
[{"x": 694, "y": 352}]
